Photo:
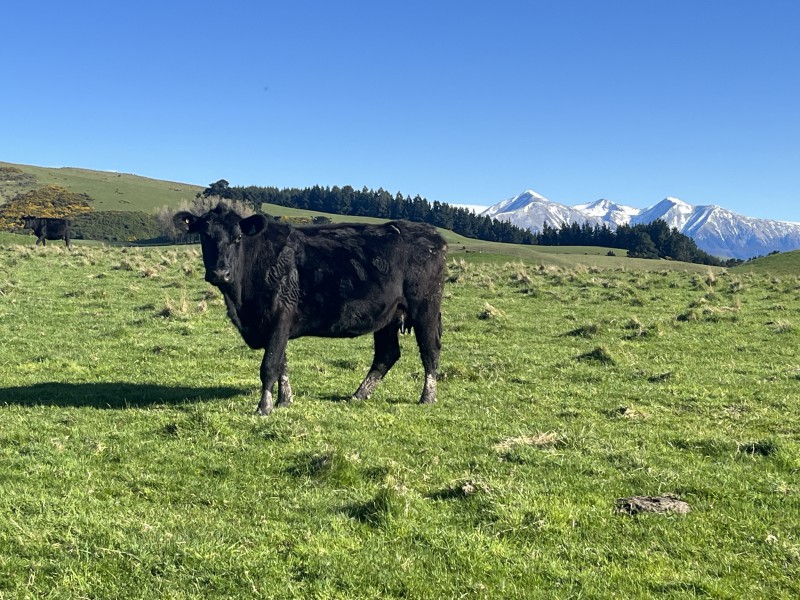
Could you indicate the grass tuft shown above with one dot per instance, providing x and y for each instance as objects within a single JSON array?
[
  {"x": 782, "y": 327},
  {"x": 766, "y": 447},
  {"x": 329, "y": 466},
  {"x": 711, "y": 447},
  {"x": 601, "y": 354},
  {"x": 387, "y": 506},
  {"x": 585, "y": 331},
  {"x": 490, "y": 312}
]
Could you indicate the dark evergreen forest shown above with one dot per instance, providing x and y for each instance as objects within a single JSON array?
[
  {"x": 650, "y": 240},
  {"x": 653, "y": 240},
  {"x": 369, "y": 203}
]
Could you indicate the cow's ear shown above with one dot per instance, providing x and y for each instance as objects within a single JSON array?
[
  {"x": 253, "y": 225},
  {"x": 184, "y": 221}
]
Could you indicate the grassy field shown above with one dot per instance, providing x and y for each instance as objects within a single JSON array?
[
  {"x": 131, "y": 464},
  {"x": 491, "y": 252}
]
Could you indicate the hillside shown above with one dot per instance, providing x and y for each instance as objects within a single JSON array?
[
  {"x": 110, "y": 191},
  {"x": 782, "y": 264}
]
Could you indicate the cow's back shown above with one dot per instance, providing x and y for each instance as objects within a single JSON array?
[
  {"x": 373, "y": 254},
  {"x": 353, "y": 277}
]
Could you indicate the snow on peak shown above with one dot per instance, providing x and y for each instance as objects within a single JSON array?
[
  {"x": 609, "y": 211},
  {"x": 519, "y": 202}
]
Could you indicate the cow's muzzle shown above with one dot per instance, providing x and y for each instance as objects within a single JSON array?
[{"x": 218, "y": 276}]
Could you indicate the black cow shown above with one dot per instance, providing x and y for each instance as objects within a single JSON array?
[
  {"x": 49, "y": 229},
  {"x": 282, "y": 282}
]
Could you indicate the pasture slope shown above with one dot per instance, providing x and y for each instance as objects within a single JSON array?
[
  {"x": 109, "y": 190},
  {"x": 131, "y": 464},
  {"x": 784, "y": 264}
]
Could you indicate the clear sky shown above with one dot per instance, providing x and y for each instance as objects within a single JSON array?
[{"x": 461, "y": 102}]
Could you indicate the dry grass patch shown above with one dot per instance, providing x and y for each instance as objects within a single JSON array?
[
  {"x": 174, "y": 308},
  {"x": 490, "y": 312},
  {"x": 550, "y": 439}
]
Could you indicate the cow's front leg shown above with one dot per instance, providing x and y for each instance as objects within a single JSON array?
[{"x": 273, "y": 366}]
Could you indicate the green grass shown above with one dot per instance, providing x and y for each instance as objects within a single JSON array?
[{"x": 131, "y": 464}]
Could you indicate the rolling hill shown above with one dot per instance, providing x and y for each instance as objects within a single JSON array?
[
  {"x": 783, "y": 264},
  {"x": 109, "y": 190}
]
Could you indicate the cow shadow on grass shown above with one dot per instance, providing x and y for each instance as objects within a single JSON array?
[
  {"x": 113, "y": 395},
  {"x": 348, "y": 399}
]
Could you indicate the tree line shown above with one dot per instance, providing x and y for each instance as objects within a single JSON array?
[
  {"x": 646, "y": 240},
  {"x": 382, "y": 204}
]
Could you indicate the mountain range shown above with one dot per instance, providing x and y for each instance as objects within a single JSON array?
[{"x": 714, "y": 229}]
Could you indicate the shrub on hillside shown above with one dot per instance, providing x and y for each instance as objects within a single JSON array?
[{"x": 49, "y": 201}]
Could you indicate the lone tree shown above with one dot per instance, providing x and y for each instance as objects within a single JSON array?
[{"x": 218, "y": 188}]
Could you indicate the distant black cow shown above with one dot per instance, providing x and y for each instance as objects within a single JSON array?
[
  {"x": 49, "y": 229},
  {"x": 282, "y": 282}
]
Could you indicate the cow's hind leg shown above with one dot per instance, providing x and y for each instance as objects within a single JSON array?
[
  {"x": 387, "y": 352},
  {"x": 285, "y": 395},
  {"x": 428, "y": 331}
]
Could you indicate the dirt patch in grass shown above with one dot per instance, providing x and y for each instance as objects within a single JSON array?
[{"x": 635, "y": 505}]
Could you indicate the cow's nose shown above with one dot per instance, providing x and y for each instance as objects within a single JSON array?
[{"x": 218, "y": 276}]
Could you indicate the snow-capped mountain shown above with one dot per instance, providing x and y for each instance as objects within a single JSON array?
[
  {"x": 674, "y": 211},
  {"x": 714, "y": 229},
  {"x": 723, "y": 233},
  {"x": 609, "y": 212},
  {"x": 531, "y": 211}
]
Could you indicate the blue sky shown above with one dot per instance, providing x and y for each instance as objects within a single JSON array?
[{"x": 461, "y": 102}]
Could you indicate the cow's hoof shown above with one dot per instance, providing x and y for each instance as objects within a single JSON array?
[{"x": 263, "y": 412}]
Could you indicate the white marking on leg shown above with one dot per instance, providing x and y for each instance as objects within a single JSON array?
[
  {"x": 429, "y": 390},
  {"x": 367, "y": 386}
]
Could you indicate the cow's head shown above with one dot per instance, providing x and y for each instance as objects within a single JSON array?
[
  {"x": 28, "y": 221},
  {"x": 222, "y": 231}
]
